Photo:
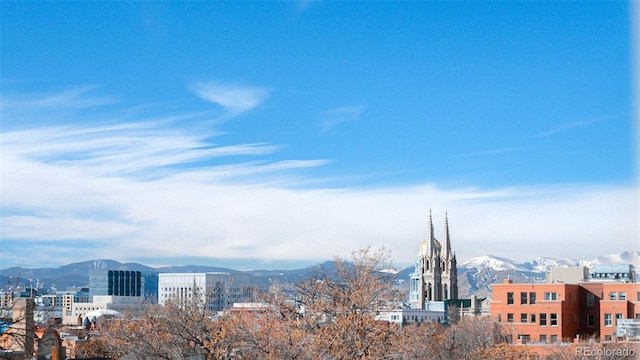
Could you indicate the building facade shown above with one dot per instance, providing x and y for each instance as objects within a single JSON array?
[
  {"x": 124, "y": 283},
  {"x": 216, "y": 289},
  {"x": 435, "y": 313},
  {"x": 561, "y": 312},
  {"x": 606, "y": 303},
  {"x": 436, "y": 276},
  {"x": 621, "y": 273},
  {"x": 115, "y": 282}
]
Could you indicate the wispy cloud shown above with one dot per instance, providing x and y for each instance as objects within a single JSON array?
[
  {"x": 576, "y": 125},
  {"x": 74, "y": 98},
  {"x": 332, "y": 117},
  {"x": 143, "y": 189},
  {"x": 491, "y": 152},
  {"x": 303, "y": 5},
  {"x": 235, "y": 99}
]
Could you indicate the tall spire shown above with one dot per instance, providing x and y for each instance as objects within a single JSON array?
[
  {"x": 446, "y": 241},
  {"x": 431, "y": 237}
]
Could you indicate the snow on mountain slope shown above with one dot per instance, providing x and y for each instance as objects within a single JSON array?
[
  {"x": 493, "y": 262},
  {"x": 478, "y": 274},
  {"x": 626, "y": 257},
  {"x": 544, "y": 264}
]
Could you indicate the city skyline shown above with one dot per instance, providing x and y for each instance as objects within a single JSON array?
[{"x": 279, "y": 134}]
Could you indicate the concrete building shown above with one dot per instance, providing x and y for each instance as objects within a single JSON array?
[
  {"x": 216, "y": 289},
  {"x": 567, "y": 275},
  {"x": 436, "y": 276},
  {"x": 119, "y": 290},
  {"x": 104, "y": 302},
  {"x": 435, "y": 313},
  {"x": 473, "y": 306}
]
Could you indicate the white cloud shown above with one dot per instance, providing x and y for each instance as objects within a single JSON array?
[
  {"x": 569, "y": 126},
  {"x": 192, "y": 214},
  {"x": 75, "y": 98},
  {"x": 333, "y": 117},
  {"x": 144, "y": 190},
  {"x": 234, "y": 99}
]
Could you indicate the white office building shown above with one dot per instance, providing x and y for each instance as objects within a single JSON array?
[{"x": 218, "y": 290}]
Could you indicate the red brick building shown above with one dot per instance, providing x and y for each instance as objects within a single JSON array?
[
  {"x": 563, "y": 312},
  {"x": 606, "y": 303}
]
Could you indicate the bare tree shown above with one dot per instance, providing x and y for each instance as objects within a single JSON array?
[
  {"x": 466, "y": 339},
  {"x": 329, "y": 316}
]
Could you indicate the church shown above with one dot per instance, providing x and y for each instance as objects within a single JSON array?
[{"x": 435, "y": 277}]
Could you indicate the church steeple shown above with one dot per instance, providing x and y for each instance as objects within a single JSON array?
[
  {"x": 435, "y": 277},
  {"x": 431, "y": 239},
  {"x": 446, "y": 241}
]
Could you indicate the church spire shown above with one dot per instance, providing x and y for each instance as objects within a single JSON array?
[
  {"x": 431, "y": 240},
  {"x": 446, "y": 241}
]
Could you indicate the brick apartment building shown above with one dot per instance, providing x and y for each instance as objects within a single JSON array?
[{"x": 554, "y": 312}]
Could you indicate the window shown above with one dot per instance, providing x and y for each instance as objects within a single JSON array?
[
  {"x": 618, "y": 317},
  {"x": 554, "y": 338},
  {"x": 591, "y": 320},
  {"x": 543, "y": 319},
  {"x": 523, "y": 298},
  {"x": 553, "y": 319},
  {"x": 612, "y": 295},
  {"x": 510, "y": 318},
  {"x": 607, "y": 319},
  {"x": 591, "y": 299},
  {"x": 523, "y": 318},
  {"x": 509, "y": 298},
  {"x": 524, "y": 337},
  {"x": 533, "y": 318},
  {"x": 543, "y": 338},
  {"x": 532, "y": 298},
  {"x": 550, "y": 296},
  {"x": 622, "y": 295}
]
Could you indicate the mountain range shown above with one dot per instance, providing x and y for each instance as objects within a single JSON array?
[{"x": 475, "y": 276}]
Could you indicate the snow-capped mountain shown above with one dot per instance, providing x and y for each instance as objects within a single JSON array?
[
  {"x": 493, "y": 262},
  {"x": 626, "y": 257},
  {"x": 476, "y": 275},
  {"x": 543, "y": 264}
]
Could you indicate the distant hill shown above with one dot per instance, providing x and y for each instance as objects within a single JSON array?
[
  {"x": 77, "y": 274},
  {"x": 475, "y": 276}
]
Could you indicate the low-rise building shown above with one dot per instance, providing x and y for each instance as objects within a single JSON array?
[
  {"x": 556, "y": 312},
  {"x": 606, "y": 303},
  {"x": 104, "y": 302},
  {"x": 567, "y": 275},
  {"x": 617, "y": 273},
  {"x": 411, "y": 316},
  {"x": 537, "y": 312},
  {"x": 217, "y": 289}
]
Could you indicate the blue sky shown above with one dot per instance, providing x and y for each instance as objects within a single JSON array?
[{"x": 279, "y": 134}]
